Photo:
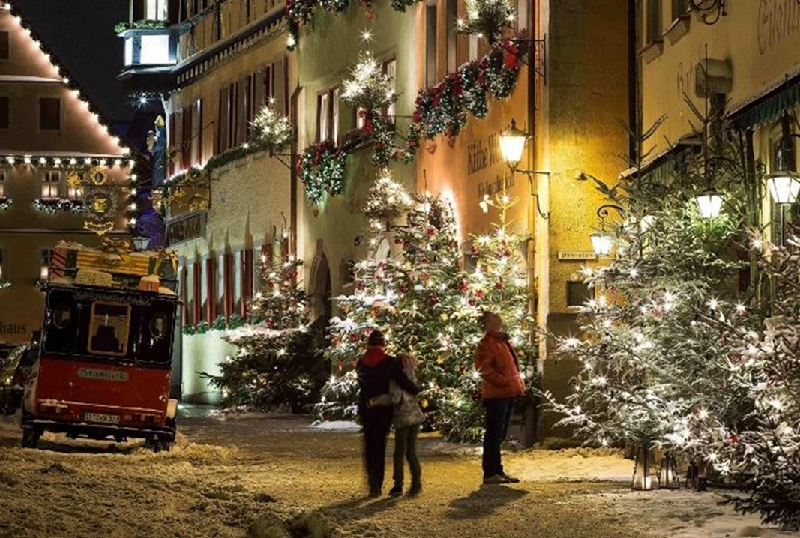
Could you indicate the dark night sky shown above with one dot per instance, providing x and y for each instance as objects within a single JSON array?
[{"x": 81, "y": 34}]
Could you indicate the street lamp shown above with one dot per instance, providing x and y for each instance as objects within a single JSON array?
[
  {"x": 784, "y": 187},
  {"x": 602, "y": 241},
  {"x": 141, "y": 242},
  {"x": 512, "y": 145},
  {"x": 709, "y": 203}
]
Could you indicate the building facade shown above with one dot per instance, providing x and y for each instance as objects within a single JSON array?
[
  {"x": 218, "y": 65},
  {"x": 573, "y": 97},
  {"x": 744, "y": 55},
  {"x": 51, "y": 139}
]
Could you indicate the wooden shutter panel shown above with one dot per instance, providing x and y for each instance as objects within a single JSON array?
[
  {"x": 197, "y": 298},
  {"x": 198, "y": 159},
  {"x": 186, "y": 137},
  {"x": 280, "y": 84},
  {"x": 241, "y": 107},
  {"x": 224, "y": 111},
  {"x": 172, "y": 141}
]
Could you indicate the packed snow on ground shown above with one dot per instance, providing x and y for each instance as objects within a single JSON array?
[
  {"x": 277, "y": 477},
  {"x": 337, "y": 426}
]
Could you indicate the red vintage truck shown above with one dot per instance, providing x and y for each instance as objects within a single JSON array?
[{"x": 105, "y": 359}]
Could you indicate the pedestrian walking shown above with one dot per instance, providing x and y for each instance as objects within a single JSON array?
[
  {"x": 406, "y": 418},
  {"x": 497, "y": 363},
  {"x": 375, "y": 370}
]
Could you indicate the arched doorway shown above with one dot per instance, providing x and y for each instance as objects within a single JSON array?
[{"x": 322, "y": 308}]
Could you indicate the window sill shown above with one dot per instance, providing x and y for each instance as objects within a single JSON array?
[
  {"x": 652, "y": 50},
  {"x": 679, "y": 28}
]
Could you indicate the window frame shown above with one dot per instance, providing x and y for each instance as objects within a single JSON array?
[
  {"x": 329, "y": 100},
  {"x": 653, "y": 21},
  {"x": 46, "y": 182}
]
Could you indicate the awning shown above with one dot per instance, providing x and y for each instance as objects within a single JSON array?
[{"x": 768, "y": 105}]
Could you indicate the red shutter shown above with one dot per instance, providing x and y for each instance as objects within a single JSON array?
[
  {"x": 227, "y": 271},
  {"x": 211, "y": 288},
  {"x": 247, "y": 280},
  {"x": 197, "y": 298}
]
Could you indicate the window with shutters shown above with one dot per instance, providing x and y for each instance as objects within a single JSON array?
[
  {"x": 233, "y": 113},
  {"x": 222, "y": 120},
  {"x": 51, "y": 184}
]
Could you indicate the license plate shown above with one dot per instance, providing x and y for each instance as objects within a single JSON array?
[{"x": 99, "y": 417}]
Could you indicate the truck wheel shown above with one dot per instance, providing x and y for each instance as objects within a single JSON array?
[
  {"x": 30, "y": 437},
  {"x": 165, "y": 445}
]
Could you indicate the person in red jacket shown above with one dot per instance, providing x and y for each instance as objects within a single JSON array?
[{"x": 497, "y": 364}]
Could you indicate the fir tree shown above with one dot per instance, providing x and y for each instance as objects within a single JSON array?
[{"x": 276, "y": 365}]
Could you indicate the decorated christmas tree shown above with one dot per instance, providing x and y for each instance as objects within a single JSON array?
[
  {"x": 412, "y": 287},
  {"x": 276, "y": 365}
]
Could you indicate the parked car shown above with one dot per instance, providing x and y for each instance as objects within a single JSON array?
[{"x": 14, "y": 372}]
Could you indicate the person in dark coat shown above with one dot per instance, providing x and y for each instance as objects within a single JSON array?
[{"x": 375, "y": 370}]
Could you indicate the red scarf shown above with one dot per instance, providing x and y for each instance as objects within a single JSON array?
[{"x": 373, "y": 357}]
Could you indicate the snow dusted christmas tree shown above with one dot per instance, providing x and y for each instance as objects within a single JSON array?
[
  {"x": 763, "y": 450},
  {"x": 650, "y": 360},
  {"x": 275, "y": 365}
]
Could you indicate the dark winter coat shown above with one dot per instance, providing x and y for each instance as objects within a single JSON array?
[
  {"x": 375, "y": 370},
  {"x": 496, "y": 362}
]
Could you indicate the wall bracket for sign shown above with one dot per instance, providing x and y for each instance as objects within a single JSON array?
[{"x": 538, "y": 54}]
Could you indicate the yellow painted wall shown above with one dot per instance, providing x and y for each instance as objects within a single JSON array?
[{"x": 760, "y": 39}]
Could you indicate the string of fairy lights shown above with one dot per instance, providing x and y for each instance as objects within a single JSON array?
[{"x": 72, "y": 162}]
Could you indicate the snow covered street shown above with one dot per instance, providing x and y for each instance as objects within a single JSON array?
[{"x": 275, "y": 476}]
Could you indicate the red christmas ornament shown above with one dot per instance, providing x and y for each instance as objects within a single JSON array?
[
  {"x": 403, "y": 289},
  {"x": 472, "y": 302},
  {"x": 433, "y": 299},
  {"x": 733, "y": 439},
  {"x": 463, "y": 286},
  {"x": 354, "y": 338},
  {"x": 430, "y": 232},
  {"x": 479, "y": 294},
  {"x": 499, "y": 285},
  {"x": 270, "y": 323},
  {"x": 369, "y": 14}
]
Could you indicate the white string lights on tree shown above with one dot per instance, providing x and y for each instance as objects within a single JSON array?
[
  {"x": 271, "y": 131},
  {"x": 487, "y": 18}
]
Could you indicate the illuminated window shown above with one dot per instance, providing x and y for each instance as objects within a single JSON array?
[
  {"x": 45, "y": 257},
  {"x": 156, "y": 10},
  {"x": 390, "y": 69},
  {"x": 452, "y": 35},
  {"x": 50, "y": 114},
  {"x": 3, "y": 175},
  {"x": 128, "y": 50},
  {"x": 51, "y": 184},
  {"x": 472, "y": 47},
  {"x": 74, "y": 192},
  {"x": 154, "y": 50}
]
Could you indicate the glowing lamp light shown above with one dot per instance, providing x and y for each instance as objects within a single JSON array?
[
  {"x": 709, "y": 203},
  {"x": 602, "y": 243},
  {"x": 44, "y": 272},
  {"x": 784, "y": 187},
  {"x": 141, "y": 242},
  {"x": 512, "y": 144}
]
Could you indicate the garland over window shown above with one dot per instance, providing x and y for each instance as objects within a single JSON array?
[
  {"x": 54, "y": 205},
  {"x": 445, "y": 108},
  {"x": 322, "y": 168},
  {"x": 300, "y": 12}
]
